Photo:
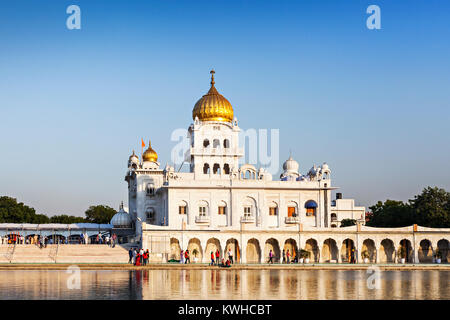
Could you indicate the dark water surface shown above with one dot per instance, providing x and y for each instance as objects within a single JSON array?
[{"x": 225, "y": 284}]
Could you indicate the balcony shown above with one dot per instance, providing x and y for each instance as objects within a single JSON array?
[
  {"x": 248, "y": 219},
  {"x": 202, "y": 219},
  {"x": 292, "y": 220}
]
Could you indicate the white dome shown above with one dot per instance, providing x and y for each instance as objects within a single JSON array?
[
  {"x": 121, "y": 219},
  {"x": 325, "y": 167},
  {"x": 290, "y": 165}
]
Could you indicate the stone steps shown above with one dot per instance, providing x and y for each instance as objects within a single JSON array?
[{"x": 66, "y": 254}]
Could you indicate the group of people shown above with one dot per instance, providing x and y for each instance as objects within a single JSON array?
[
  {"x": 108, "y": 240},
  {"x": 215, "y": 257},
  {"x": 138, "y": 257},
  {"x": 287, "y": 257}
]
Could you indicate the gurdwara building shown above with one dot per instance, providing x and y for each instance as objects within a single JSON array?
[{"x": 220, "y": 205}]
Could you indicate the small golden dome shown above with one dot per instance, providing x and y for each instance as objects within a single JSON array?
[
  {"x": 213, "y": 106},
  {"x": 150, "y": 154}
]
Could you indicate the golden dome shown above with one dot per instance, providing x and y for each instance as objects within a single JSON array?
[
  {"x": 213, "y": 106},
  {"x": 150, "y": 154}
]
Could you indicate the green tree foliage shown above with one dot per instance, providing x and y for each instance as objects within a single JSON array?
[
  {"x": 99, "y": 214},
  {"x": 431, "y": 208},
  {"x": 12, "y": 211},
  {"x": 63, "y": 218},
  {"x": 348, "y": 222},
  {"x": 391, "y": 213},
  {"x": 16, "y": 212}
]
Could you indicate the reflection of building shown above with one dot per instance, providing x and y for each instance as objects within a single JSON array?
[{"x": 219, "y": 205}]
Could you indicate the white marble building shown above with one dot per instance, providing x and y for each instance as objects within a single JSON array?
[{"x": 220, "y": 205}]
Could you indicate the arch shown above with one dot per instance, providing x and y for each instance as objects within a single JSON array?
[
  {"x": 273, "y": 208},
  {"x": 249, "y": 206},
  {"x": 182, "y": 207},
  {"x": 443, "y": 246},
  {"x": 272, "y": 244},
  {"x": 222, "y": 208},
  {"x": 213, "y": 244},
  {"x": 203, "y": 208},
  {"x": 425, "y": 252},
  {"x": 233, "y": 245},
  {"x": 311, "y": 207},
  {"x": 330, "y": 250},
  {"x": 333, "y": 217},
  {"x": 226, "y": 143},
  {"x": 226, "y": 168},
  {"x": 313, "y": 249},
  {"x": 406, "y": 244},
  {"x": 205, "y": 143},
  {"x": 216, "y": 143},
  {"x": 216, "y": 168},
  {"x": 247, "y": 171},
  {"x": 195, "y": 245},
  {"x": 291, "y": 245},
  {"x": 387, "y": 251},
  {"x": 175, "y": 249},
  {"x": 348, "y": 251},
  {"x": 206, "y": 168},
  {"x": 369, "y": 250},
  {"x": 253, "y": 251},
  {"x": 150, "y": 214}
]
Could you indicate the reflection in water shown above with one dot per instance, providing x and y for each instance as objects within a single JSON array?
[{"x": 225, "y": 284}]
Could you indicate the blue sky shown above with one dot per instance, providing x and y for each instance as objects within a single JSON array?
[{"x": 373, "y": 104}]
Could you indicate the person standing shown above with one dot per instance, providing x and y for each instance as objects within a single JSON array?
[
  {"x": 288, "y": 256},
  {"x": 130, "y": 255},
  {"x": 217, "y": 256},
  {"x": 212, "y": 258},
  {"x": 181, "y": 256},
  {"x": 270, "y": 256},
  {"x": 230, "y": 255},
  {"x": 186, "y": 257},
  {"x": 134, "y": 256}
]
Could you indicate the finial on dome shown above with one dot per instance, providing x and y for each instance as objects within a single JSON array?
[
  {"x": 212, "y": 77},
  {"x": 121, "y": 206}
]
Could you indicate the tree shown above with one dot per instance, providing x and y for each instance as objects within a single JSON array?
[
  {"x": 16, "y": 212},
  {"x": 432, "y": 208},
  {"x": 64, "y": 218},
  {"x": 99, "y": 214},
  {"x": 348, "y": 222},
  {"x": 391, "y": 214}
]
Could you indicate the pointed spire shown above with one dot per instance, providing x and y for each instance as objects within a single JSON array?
[{"x": 212, "y": 77}]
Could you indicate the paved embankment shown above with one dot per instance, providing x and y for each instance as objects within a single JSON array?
[{"x": 175, "y": 266}]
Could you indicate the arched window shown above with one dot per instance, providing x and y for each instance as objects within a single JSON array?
[
  {"x": 203, "y": 208},
  {"x": 226, "y": 168},
  {"x": 292, "y": 209},
  {"x": 216, "y": 143},
  {"x": 311, "y": 207},
  {"x": 273, "y": 209},
  {"x": 150, "y": 189},
  {"x": 222, "y": 208},
  {"x": 205, "y": 143},
  {"x": 226, "y": 143},
  {"x": 150, "y": 213},
  {"x": 206, "y": 168},
  {"x": 333, "y": 217},
  {"x": 249, "y": 207},
  {"x": 216, "y": 168},
  {"x": 182, "y": 207}
]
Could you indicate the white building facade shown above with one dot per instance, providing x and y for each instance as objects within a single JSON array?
[{"x": 219, "y": 205}]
